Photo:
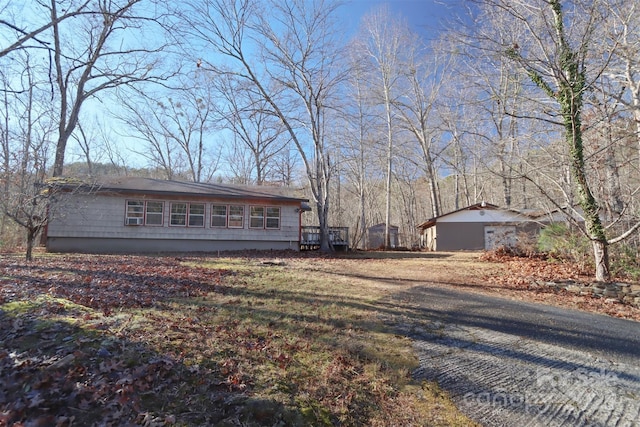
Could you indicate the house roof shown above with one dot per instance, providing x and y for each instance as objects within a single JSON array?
[
  {"x": 134, "y": 185},
  {"x": 478, "y": 206}
]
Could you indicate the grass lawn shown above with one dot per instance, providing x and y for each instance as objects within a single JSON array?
[{"x": 244, "y": 340}]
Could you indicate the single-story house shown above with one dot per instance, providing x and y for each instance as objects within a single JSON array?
[
  {"x": 375, "y": 236},
  {"x": 476, "y": 227},
  {"x": 151, "y": 215}
]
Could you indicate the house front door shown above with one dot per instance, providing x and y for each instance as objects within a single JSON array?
[{"x": 499, "y": 235}]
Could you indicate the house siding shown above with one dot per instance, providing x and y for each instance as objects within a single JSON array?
[
  {"x": 140, "y": 245},
  {"x": 455, "y": 236},
  {"x": 96, "y": 223}
]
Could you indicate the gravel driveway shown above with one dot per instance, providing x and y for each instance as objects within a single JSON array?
[{"x": 510, "y": 363}]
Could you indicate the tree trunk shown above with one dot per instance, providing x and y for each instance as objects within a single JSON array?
[
  {"x": 362, "y": 201},
  {"x": 58, "y": 163},
  {"x": 323, "y": 220},
  {"x": 31, "y": 237},
  {"x": 601, "y": 257},
  {"x": 387, "y": 214}
]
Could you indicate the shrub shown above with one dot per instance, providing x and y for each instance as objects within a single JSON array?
[
  {"x": 559, "y": 241},
  {"x": 624, "y": 260}
]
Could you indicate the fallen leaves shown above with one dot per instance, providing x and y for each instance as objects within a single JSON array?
[
  {"x": 53, "y": 381},
  {"x": 520, "y": 277},
  {"x": 139, "y": 340},
  {"x": 66, "y": 358},
  {"x": 105, "y": 282}
]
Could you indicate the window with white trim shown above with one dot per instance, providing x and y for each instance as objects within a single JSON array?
[
  {"x": 178, "y": 214},
  {"x": 273, "y": 218},
  {"x": 154, "y": 213},
  {"x": 196, "y": 214},
  {"x": 218, "y": 216},
  {"x": 256, "y": 217},
  {"x": 236, "y": 217},
  {"x": 135, "y": 212}
]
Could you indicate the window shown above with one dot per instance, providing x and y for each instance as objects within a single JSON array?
[
  {"x": 236, "y": 216},
  {"x": 256, "y": 217},
  {"x": 196, "y": 215},
  {"x": 153, "y": 213},
  {"x": 178, "y": 214},
  {"x": 264, "y": 217},
  {"x": 140, "y": 212},
  {"x": 135, "y": 212},
  {"x": 218, "y": 216},
  {"x": 191, "y": 214},
  {"x": 273, "y": 218}
]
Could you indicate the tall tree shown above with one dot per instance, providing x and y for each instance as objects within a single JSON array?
[
  {"x": 176, "y": 130},
  {"x": 381, "y": 43},
  {"x": 426, "y": 72},
  {"x": 256, "y": 129},
  {"x": 620, "y": 37},
  {"x": 287, "y": 50},
  {"x": 99, "y": 54},
  {"x": 359, "y": 128},
  {"x": 554, "y": 46},
  {"x": 24, "y": 137}
]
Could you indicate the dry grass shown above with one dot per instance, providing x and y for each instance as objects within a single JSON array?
[
  {"x": 289, "y": 339},
  {"x": 300, "y": 341}
]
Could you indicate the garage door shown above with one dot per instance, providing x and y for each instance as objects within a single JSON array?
[{"x": 499, "y": 235}]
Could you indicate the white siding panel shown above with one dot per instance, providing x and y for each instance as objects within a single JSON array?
[{"x": 484, "y": 215}]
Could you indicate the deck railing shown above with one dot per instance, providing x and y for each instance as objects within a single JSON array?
[{"x": 310, "y": 237}]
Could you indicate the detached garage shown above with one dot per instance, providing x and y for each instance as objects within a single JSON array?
[{"x": 476, "y": 227}]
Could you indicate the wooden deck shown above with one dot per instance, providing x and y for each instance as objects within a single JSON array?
[{"x": 310, "y": 238}]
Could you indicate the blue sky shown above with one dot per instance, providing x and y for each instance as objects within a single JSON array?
[{"x": 424, "y": 16}]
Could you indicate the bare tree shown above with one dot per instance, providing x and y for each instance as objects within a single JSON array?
[
  {"x": 622, "y": 77},
  {"x": 175, "y": 131},
  {"x": 97, "y": 150},
  {"x": 554, "y": 46},
  {"x": 286, "y": 170},
  {"x": 24, "y": 37},
  {"x": 359, "y": 137},
  {"x": 95, "y": 55},
  {"x": 287, "y": 52},
  {"x": 382, "y": 43},
  {"x": 255, "y": 126},
  {"x": 84, "y": 142},
  {"x": 456, "y": 156},
  {"x": 426, "y": 72},
  {"x": 26, "y": 130},
  {"x": 144, "y": 119}
]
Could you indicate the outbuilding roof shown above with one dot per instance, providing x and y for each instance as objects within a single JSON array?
[{"x": 478, "y": 206}]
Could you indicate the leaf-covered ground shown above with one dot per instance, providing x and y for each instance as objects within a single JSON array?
[
  {"x": 65, "y": 355},
  {"x": 241, "y": 340},
  {"x": 133, "y": 340},
  {"x": 520, "y": 278},
  {"x": 105, "y": 282}
]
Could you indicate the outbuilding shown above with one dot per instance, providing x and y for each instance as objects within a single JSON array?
[
  {"x": 476, "y": 227},
  {"x": 127, "y": 215},
  {"x": 375, "y": 236}
]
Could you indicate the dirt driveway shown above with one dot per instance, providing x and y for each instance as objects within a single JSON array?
[{"x": 504, "y": 359}]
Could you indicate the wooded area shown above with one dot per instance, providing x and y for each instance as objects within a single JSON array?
[{"x": 531, "y": 105}]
